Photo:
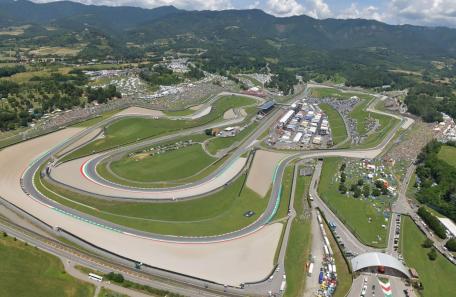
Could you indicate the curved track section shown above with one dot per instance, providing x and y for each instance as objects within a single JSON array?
[
  {"x": 99, "y": 188},
  {"x": 245, "y": 255}
]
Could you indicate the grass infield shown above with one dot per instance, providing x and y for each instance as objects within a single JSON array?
[
  {"x": 130, "y": 130},
  {"x": 217, "y": 213},
  {"x": 336, "y": 123}
]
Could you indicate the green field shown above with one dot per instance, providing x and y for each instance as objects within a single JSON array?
[
  {"x": 334, "y": 93},
  {"x": 217, "y": 213},
  {"x": 102, "y": 168},
  {"x": 354, "y": 212},
  {"x": 218, "y": 143},
  {"x": 179, "y": 113},
  {"x": 448, "y": 154},
  {"x": 437, "y": 276},
  {"x": 129, "y": 130},
  {"x": 285, "y": 194},
  {"x": 299, "y": 242},
  {"x": 28, "y": 272},
  {"x": 108, "y": 293},
  {"x": 167, "y": 166},
  {"x": 336, "y": 122}
]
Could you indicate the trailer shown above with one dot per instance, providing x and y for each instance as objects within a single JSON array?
[
  {"x": 311, "y": 267},
  {"x": 283, "y": 285},
  {"x": 325, "y": 247}
]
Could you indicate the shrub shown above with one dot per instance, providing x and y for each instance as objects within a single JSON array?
[
  {"x": 427, "y": 243},
  {"x": 432, "y": 255},
  {"x": 366, "y": 190},
  {"x": 451, "y": 244},
  {"x": 376, "y": 192},
  {"x": 115, "y": 277},
  {"x": 342, "y": 188}
]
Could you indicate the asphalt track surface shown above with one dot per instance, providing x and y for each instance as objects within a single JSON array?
[
  {"x": 123, "y": 191},
  {"x": 28, "y": 187}
]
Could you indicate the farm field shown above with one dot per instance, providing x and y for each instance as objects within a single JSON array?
[
  {"x": 29, "y": 272},
  {"x": 129, "y": 130},
  {"x": 217, "y": 213},
  {"x": 448, "y": 154},
  {"x": 416, "y": 256},
  {"x": 354, "y": 212},
  {"x": 336, "y": 122}
]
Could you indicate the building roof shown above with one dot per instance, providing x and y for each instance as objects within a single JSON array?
[
  {"x": 267, "y": 105},
  {"x": 373, "y": 259},
  {"x": 449, "y": 225}
]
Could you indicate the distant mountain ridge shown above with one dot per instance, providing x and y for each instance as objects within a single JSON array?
[{"x": 167, "y": 21}]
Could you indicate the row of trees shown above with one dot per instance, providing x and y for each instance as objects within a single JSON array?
[
  {"x": 11, "y": 70},
  {"x": 433, "y": 222}
]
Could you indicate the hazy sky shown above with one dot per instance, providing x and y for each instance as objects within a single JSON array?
[{"x": 419, "y": 12}]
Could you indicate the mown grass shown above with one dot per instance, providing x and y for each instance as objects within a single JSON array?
[
  {"x": 129, "y": 130},
  {"x": 334, "y": 93},
  {"x": 217, "y": 213},
  {"x": 336, "y": 123},
  {"x": 287, "y": 181},
  {"x": 172, "y": 165},
  {"x": 448, "y": 154},
  {"x": 354, "y": 212},
  {"x": 437, "y": 276},
  {"x": 102, "y": 168},
  {"x": 299, "y": 242},
  {"x": 109, "y": 293},
  {"x": 28, "y": 272},
  {"x": 179, "y": 113}
]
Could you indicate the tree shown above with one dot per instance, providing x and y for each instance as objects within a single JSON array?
[
  {"x": 342, "y": 188},
  {"x": 427, "y": 243},
  {"x": 451, "y": 244},
  {"x": 343, "y": 177},
  {"x": 376, "y": 192},
  {"x": 379, "y": 184},
  {"x": 360, "y": 182},
  {"x": 353, "y": 187},
  {"x": 115, "y": 277},
  {"x": 357, "y": 192},
  {"x": 343, "y": 166},
  {"x": 366, "y": 190},
  {"x": 432, "y": 254}
]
